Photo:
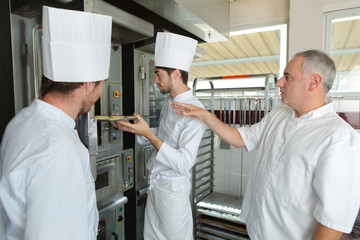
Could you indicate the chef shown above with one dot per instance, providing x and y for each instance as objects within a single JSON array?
[
  {"x": 46, "y": 187},
  {"x": 176, "y": 140}
]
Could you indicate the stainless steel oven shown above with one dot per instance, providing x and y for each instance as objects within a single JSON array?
[
  {"x": 112, "y": 218},
  {"x": 109, "y": 179},
  {"x": 141, "y": 173}
]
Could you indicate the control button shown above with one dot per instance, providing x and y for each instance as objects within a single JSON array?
[
  {"x": 129, "y": 158},
  {"x": 115, "y": 107},
  {"x": 116, "y": 94},
  {"x": 120, "y": 218}
]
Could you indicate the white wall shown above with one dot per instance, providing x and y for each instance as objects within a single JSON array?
[
  {"x": 305, "y": 26},
  {"x": 252, "y": 12},
  {"x": 334, "y": 5},
  {"x": 229, "y": 179}
]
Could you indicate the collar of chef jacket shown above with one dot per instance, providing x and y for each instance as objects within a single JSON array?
[{"x": 55, "y": 113}]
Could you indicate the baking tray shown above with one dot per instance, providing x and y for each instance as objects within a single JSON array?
[{"x": 104, "y": 118}]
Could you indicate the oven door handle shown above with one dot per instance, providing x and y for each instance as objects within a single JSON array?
[
  {"x": 142, "y": 191},
  {"x": 112, "y": 205},
  {"x": 105, "y": 168}
]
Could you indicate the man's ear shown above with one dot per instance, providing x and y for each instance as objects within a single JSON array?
[
  {"x": 315, "y": 82},
  {"x": 177, "y": 74},
  {"x": 87, "y": 87}
]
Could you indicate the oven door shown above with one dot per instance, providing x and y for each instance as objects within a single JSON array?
[
  {"x": 109, "y": 179},
  {"x": 142, "y": 173}
]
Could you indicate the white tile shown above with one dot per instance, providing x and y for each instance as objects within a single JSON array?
[
  {"x": 234, "y": 187},
  {"x": 219, "y": 185}
]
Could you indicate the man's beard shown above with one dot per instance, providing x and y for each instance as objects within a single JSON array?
[
  {"x": 168, "y": 89},
  {"x": 164, "y": 91},
  {"x": 85, "y": 106},
  {"x": 87, "y": 102}
]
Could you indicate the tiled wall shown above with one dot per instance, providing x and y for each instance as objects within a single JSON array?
[{"x": 228, "y": 169}]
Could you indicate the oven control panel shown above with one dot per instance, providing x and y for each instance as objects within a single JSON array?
[
  {"x": 112, "y": 225},
  {"x": 115, "y": 109},
  {"x": 128, "y": 168}
]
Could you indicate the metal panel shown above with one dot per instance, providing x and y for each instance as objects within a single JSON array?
[
  {"x": 196, "y": 17},
  {"x": 128, "y": 168},
  {"x": 7, "y": 86},
  {"x": 127, "y": 28}
]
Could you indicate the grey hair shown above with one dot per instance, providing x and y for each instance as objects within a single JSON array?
[{"x": 316, "y": 61}]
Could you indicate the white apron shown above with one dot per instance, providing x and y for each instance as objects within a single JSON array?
[{"x": 168, "y": 213}]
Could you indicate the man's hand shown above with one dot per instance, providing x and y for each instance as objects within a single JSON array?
[
  {"x": 190, "y": 110},
  {"x": 120, "y": 126},
  {"x": 139, "y": 127},
  {"x": 227, "y": 133}
]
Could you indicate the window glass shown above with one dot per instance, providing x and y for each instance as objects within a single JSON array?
[{"x": 343, "y": 45}]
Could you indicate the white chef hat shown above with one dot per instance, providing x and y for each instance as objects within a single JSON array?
[
  {"x": 174, "y": 51},
  {"x": 76, "y": 45}
]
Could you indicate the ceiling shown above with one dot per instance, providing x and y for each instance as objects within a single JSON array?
[
  {"x": 242, "y": 54},
  {"x": 258, "y": 53}
]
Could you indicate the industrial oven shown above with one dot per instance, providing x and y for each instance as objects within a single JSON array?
[{"x": 112, "y": 165}]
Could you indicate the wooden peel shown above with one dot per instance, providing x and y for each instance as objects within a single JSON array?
[{"x": 118, "y": 118}]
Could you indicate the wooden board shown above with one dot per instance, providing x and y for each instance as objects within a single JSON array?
[{"x": 118, "y": 118}]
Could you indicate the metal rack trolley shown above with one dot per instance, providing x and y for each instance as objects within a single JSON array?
[{"x": 208, "y": 216}]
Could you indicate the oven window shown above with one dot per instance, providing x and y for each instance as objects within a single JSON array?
[{"x": 102, "y": 180}]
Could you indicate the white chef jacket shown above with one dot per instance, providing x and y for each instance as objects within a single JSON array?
[
  {"x": 168, "y": 210},
  {"x": 46, "y": 187},
  {"x": 306, "y": 171}
]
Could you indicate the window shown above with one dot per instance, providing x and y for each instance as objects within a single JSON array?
[{"x": 343, "y": 45}]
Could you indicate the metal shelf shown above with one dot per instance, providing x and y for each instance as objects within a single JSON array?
[{"x": 215, "y": 213}]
